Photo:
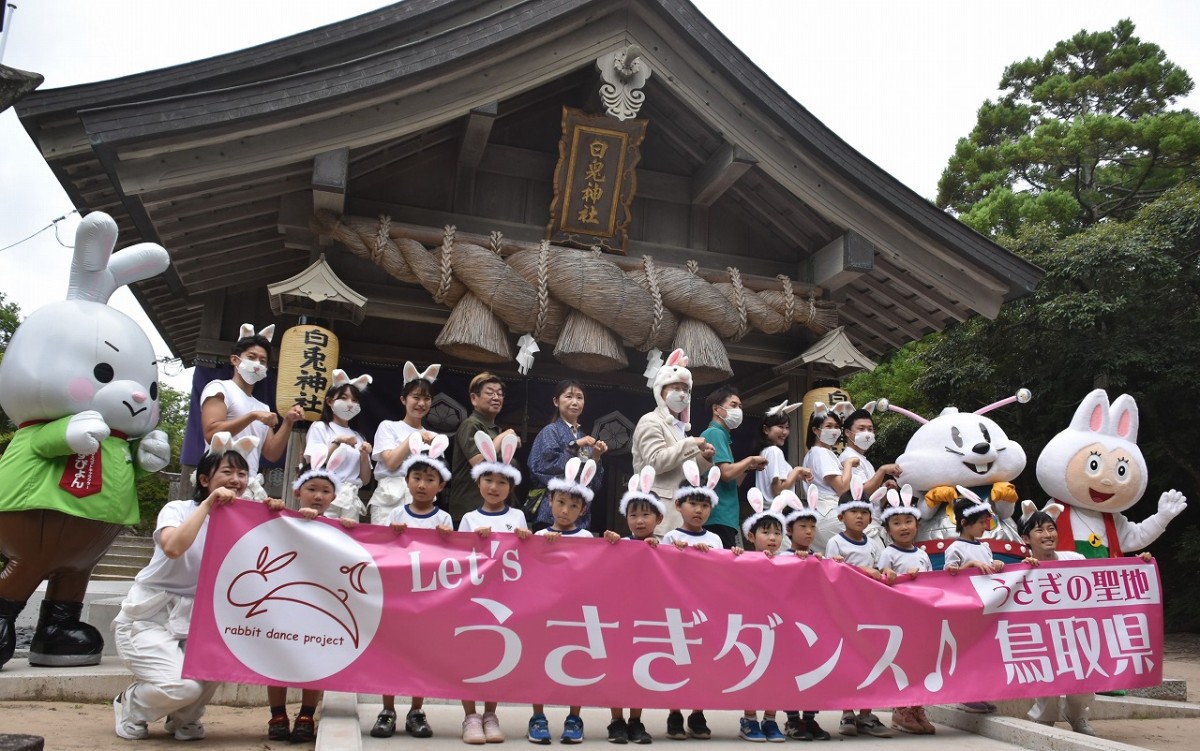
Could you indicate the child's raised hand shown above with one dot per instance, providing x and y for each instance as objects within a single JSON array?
[
  {"x": 1031, "y": 561},
  {"x": 349, "y": 523},
  {"x": 309, "y": 513},
  {"x": 612, "y": 537},
  {"x": 873, "y": 572},
  {"x": 652, "y": 541},
  {"x": 552, "y": 536},
  {"x": 738, "y": 550},
  {"x": 952, "y": 570},
  {"x": 887, "y": 576},
  {"x": 913, "y": 572},
  {"x": 484, "y": 532},
  {"x": 838, "y": 558},
  {"x": 681, "y": 544},
  {"x": 523, "y": 534},
  {"x": 445, "y": 530},
  {"x": 1146, "y": 557},
  {"x": 703, "y": 547},
  {"x": 274, "y": 504},
  {"x": 398, "y": 528},
  {"x": 996, "y": 567}
]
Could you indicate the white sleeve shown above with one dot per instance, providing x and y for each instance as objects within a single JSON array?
[
  {"x": 954, "y": 555},
  {"x": 824, "y": 464},
  {"x": 467, "y": 523},
  {"x": 317, "y": 444}
]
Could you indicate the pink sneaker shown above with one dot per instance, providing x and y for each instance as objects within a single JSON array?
[
  {"x": 473, "y": 730},
  {"x": 491, "y": 728}
]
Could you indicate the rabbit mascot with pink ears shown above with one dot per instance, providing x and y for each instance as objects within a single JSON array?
[
  {"x": 1096, "y": 470},
  {"x": 80, "y": 379}
]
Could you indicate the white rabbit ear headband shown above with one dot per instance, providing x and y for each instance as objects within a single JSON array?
[
  {"x": 856, "y": 498},
  {"x": 762, "y": 511},
  {"x": 803, "y": 510},
  {"x": 576, "y": 479},
  {"x": 783, "y": 408},
  {"x": 692, "y": 485},
  {"x": 640, "y": 489},
  {"x": 899, "y": 503},
  {"x": 340, "y": 378},
  {"x": 426, "y": 455},
  {"x": 223, "y": 442},
  {"x": 980, "y": 506},
  {"x": 315, "y": 473},
  {"x": 429, "y": 374},
  {"x": 1028, "y": 509},
  {"x": 247, "y": 330},
  {"x": 500, "y": 464}
]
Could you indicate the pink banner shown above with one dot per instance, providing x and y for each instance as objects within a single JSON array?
[{"x": 283, "y": 600}]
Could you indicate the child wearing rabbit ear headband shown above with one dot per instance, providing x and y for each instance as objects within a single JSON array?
[
  {"x": 151, "y": 645},
  {"x": 695, "y": 500},
  {"x": 341, "y": 449},
  {"x": 230, "y": 405},
  {"x": 391, "y": 446}
]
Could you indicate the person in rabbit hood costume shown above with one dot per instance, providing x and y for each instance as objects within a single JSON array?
[
  {"x": 81, "y": 381},
  {"x": 1096, "y": 470},
  {"x": 967, "y": 449}
]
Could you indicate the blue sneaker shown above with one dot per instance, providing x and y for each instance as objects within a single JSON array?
[
  {"x": 771, "y": 731},
  {"x": 748, "y": 730},
  {"x": 572, "y": 729},
  {"x": 539, "y": 730}
]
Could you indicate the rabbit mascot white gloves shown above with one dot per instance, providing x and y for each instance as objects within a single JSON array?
[
  {"x": 1096, "y": 470},
  {"x": 81, "y": 382}
]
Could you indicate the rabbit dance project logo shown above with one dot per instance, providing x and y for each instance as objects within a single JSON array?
[{"x": 297, "y": 600}]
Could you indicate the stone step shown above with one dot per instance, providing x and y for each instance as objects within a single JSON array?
[{"x": 115, "y": 571}]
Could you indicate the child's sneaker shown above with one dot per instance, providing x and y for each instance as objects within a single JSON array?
[
  {"x": 675, "y": 729},
  {"x": 618, "y": 731},
  {"x": 926, "y": 726},
  {"x": 904, "y": 720},
  {"x": 871, "y": 725},
  {"x": 697, "y": 726},
  {"x": 770, "y": 730},
  {"x": 279, "y": 729},
  {"x": 192, "y": 730},
  {"x": 796, "y": 730},
  {"x": 815, "y": 730},
  {"x": 304, "y": 729},
  {"x": 472, "y": 730},
  {"x": 539, "y": 730},
  {"x": 637, "y": 731},
  {"x": 385, "y": 725},
  {"x": 416, "y": 725},
  {"x": 848, "y": 725},
  {"x": 748, "y": 730},
  {"x": 572, "y": 729},
  {"x": 491, "y": 728},
  {"x": 1083, "y": 727},
  {"x": 130, "y": 730}
]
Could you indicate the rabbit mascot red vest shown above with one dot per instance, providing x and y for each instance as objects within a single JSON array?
[
  {"x": 1095, "y": 469},
  {"x": 81, "y": 382}
]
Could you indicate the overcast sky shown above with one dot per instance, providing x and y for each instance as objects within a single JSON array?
[{"x": 899, "y": 81}]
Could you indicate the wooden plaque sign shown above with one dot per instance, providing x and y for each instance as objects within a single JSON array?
[
  {"x": 308, "y": 355},
  {"x": 595, "y": 180}
]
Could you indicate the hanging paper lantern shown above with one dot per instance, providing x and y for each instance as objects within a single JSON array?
[
  {"x": 308, "y": 355},
  {"x": 829, "y": 395}
]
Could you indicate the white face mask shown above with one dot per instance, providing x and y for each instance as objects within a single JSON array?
[
  {"x": 252, "y": 372},
  {"x": 677, "y": 401},
  {"x": 864, "y": 440},
  {"x": 829, "y": 436},
  {"x": 733, "y": 417},
  {"x": 345, "y": 409}
]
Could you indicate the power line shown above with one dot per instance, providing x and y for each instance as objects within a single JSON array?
[{"x": 53, "y": 223}]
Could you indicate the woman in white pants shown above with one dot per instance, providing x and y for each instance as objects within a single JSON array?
[{"x": 152, "y": 628}]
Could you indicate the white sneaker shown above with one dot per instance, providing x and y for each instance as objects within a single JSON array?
[
  {"x": 130, "y": 730},
  {"x": 1083, "y": 727},
  {"x": 193, "y": 730}
]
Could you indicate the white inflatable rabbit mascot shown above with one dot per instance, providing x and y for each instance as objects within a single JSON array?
[
  {"x": 1096, "y": 470},
  {"x": 81, "y": 382},
  {"x": 962, "y": 448}
]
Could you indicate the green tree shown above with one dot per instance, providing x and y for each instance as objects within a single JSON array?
[
  {"x": 1080, "y": 135},
  {"x": 154, "y": 490}
]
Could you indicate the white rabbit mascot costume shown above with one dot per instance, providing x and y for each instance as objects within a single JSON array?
[
  {"x": 1096, "y": 470},
  {"x": 81, "y": 382},
  {"x": 967, "y": 449}
]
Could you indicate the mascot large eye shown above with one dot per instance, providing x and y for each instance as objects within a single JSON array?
[
  {"x": 956, "y": 436},
  {"x": 983, "y": 429},
  {"x": 1123, "y": 470},
  {"x": 154, "y": 391},
  {"x": 1093, "y": 465},
  {"x": 103, "y": 372}
]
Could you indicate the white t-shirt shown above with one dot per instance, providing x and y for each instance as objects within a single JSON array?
[
  {"x": 577, "y": 532},
  {"x": 320, "y": 437},
  {"x": 902, "y": 561},
  {"x": 865, "y": 469},
  {"x": 434, "y": 519},
  {"x": 238, "y": 403},
  {"x": 854, "y": 553},
  {"x": 961, "y": 551},
  {"x": 175, "y": 575},
  {"x": 822, "y": 462},
  {"x": 509, "y": 520},
  {"x": 1069, "y": 555},
  {"x": 389, "y": 435},
  {"x": 693, "y": 538},
  {"x": 777, "y": 468}
]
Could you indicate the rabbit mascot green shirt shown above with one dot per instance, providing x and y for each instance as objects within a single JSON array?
[
  {"x": 1095, "y": 469},
  {"x": 80, "y": 380}
]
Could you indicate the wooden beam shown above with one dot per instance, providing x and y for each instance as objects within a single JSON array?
[
  {"x": 897, "y": 278},
  {"x": 843, "y": 260},
  {"x": 855, "y": 319},
  {"x": 330, "y": 178},
  {"x": 476, "y": 132},
  {"x": 179, "y": 225},
  {"x": 719, "y": 173},
  {"x": 868, "y": 305}
]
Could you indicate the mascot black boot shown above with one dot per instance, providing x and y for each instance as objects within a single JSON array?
[
  {"x": 9, "y": 610},
  {"x": 62, "y": 640}
]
